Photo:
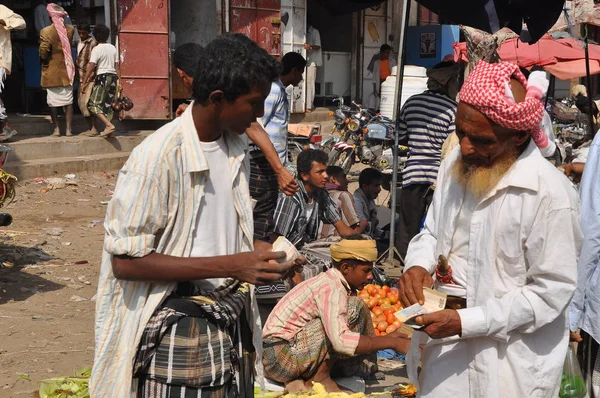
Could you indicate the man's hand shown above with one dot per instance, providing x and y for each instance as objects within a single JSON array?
[
  {"x": 573, "y": 170},
  {"x": 411, "y": 285},
  {"x": 180, "y": 109},
  {"x": 402, "y": 345},
  {"x": 260, "y": 267},
  {"x": 575, "y": 336},
  {"x": 83, "y": 88},
  {"x": 287, "y": 183},
  {"x": 440, "y": 324},
  {"x": 307, "y": 46}
]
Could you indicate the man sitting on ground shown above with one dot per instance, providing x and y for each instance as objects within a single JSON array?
[
  {"x": 338, "y": 190},
  {"x": 369, "y": 187},
  {"x": 321, "y": 328}
]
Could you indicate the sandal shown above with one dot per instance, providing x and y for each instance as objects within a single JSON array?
[
  {"x": 90, "y": 133},
  {"x": 107, "y": 132}
]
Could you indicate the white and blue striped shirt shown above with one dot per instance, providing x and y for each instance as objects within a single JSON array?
[
  {"x": 275, "y": 121},
  {"x": 428, "y": 119}
]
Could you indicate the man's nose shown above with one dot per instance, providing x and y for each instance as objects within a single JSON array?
[
  {"x": 325, "y": 176},
  {"x": 466, "y": 148}
]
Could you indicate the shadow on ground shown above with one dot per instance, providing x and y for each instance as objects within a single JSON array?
[{"x": 16, "y": 285}]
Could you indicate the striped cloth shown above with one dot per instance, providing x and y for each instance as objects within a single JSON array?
[
  {"x": 301, "y": 357},
  {"x": 275, "y": 122},
  {"x": 428, "y": 119},
  {"x": 154, "y": 208},
  {"x": 57, "y": 14}
]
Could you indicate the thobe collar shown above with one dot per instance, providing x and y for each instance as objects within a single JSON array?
[{"x": 524, "y": 173}]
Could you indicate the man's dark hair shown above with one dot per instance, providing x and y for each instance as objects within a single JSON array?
[
  {"x": 351, "y": 262},
  {"x": 307, "y": 157},
  {"x": 187, "y": 56},
  {"x": 292, "y": 60},
  {"x": 335, "y": 171},
  {"x": 369, "y": 176},
  {"x": 385, "y": 47},
  {"x": 233, "y": 64},
  {"x": 101, "y": 33},
  {"x": 85, "y": 27}
]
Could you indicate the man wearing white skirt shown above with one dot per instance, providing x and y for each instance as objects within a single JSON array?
[
  {"x": 508, "y": 223},
  {"x": 58, "y": 67}
]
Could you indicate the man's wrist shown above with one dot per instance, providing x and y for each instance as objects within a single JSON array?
[{"x": 473, "y": 322}]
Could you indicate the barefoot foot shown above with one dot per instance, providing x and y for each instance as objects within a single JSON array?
[{"x": 296, "y": 386}]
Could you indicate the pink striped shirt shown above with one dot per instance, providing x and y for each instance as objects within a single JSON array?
[{"x": 325, "y": 296}]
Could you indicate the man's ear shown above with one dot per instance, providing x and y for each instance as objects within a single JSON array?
[
  {"x": 304, "y": 177},
  {"x": 344, "y": 268},
  {"x": 520, "y": 137},
  {"x": 216, "y": 97}
]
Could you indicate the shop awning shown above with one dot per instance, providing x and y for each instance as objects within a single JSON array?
[{"x": 563, "y": 58}]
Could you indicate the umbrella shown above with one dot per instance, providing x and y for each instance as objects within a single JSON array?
[{"x": 563, "y": 58}]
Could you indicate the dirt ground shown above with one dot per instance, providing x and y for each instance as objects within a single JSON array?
[
  {"x": 50, "y": 257},
  {"x": 49, "y": 264}
]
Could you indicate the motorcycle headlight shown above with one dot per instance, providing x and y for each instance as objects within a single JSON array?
[{"x": 353, "y": 125}]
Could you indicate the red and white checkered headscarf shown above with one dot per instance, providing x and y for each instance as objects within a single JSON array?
[
  {"x": 488, "y": 90},
  {"x": 57, "y": 15}
]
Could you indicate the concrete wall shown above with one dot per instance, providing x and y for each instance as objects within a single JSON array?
[{"x": 194, "y": 21}]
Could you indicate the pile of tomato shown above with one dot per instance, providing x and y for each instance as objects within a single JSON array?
[{"x": 383, "y": 302}]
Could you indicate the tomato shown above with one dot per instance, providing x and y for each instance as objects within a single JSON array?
[
  {"x": 382, "y": 326},
  {"x": 373, "y": 317},
  {"x": 386, "y": 288},
  {"x": 377, "y": 310},
  {"x": 390, "y": 329},
  {"x": 388, "y": 311},
  {"x": 364, "y": 294},
  {"x": 381, "y": 318},
  {"x": 386, "y": 306},
  {"x": 375, "y": 324},
  {"x": 382, "y": 294},
  {"x": 377, "y": 333},
  {"x": 393, "y": 299},
  {"x": 371, "y": 289},
  {"x": 383, "y": 334},
  {"x": 397, "y": 323},
  {"x": 390, "y": 319},
  {"x": 372, "y": 302}
]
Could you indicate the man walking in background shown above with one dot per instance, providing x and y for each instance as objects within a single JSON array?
[
  {"x": 382, "y": 68},
  {"x": 427, "y": 119},
  {"x": 84, "y": 51},
  {"x": 263, "y": 175},
  {"x": 8, "y": 21},
  {"x": 314, "y": 60},
  {"x": 58, "y": 68}
]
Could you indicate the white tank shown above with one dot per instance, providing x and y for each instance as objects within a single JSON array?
[{"x": 414, "y": 82}]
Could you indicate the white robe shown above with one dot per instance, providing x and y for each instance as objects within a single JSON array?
[{"x": 521, "y": 273}]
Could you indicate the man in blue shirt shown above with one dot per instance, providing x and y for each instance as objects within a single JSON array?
[
  {"x": 584, "y": 308},
  {"x": 263, "y": 178}
]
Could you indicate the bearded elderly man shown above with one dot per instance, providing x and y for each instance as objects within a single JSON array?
[{"x": 508, "y": 223}]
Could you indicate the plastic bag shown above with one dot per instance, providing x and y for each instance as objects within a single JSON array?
[{"x": 572, "y": 384}]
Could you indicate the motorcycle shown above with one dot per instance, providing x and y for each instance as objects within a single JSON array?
[
  {"x": 369, "y": 137},
  {"x": 342, "y": 116},
  {"x": 7, "y": 183}
]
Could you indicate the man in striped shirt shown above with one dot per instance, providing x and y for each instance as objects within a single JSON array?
[
  {"x": 321, "y": 325},
  {"x": 426, "y": 119}
]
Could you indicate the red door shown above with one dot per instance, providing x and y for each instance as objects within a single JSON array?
[
  {"x": 260, "y": 21},
  {"x": 144, "y": 57}
]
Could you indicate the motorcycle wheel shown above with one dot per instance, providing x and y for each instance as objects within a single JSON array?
[{"x": 343, "y": 159}]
